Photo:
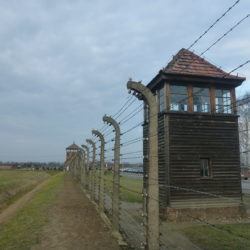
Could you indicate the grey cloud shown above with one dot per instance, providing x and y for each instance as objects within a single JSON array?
[{"x": 63, "y": 63}]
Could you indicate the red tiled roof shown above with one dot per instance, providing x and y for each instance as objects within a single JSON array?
[{"x": 186, "y": 62}]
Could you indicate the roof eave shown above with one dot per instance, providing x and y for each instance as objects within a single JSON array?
[
  {"x": 157, "y": 79},
  {"x": 237, "y": 81}
]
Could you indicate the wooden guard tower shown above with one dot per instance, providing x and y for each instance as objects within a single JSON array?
[
  {"x": 199, "y": 160},
  {"x": 71, "y": 151}
]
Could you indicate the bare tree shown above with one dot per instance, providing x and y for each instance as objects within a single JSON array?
[{"x": 244, "y": 126}]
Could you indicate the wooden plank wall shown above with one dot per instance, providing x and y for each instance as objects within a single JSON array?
[
  {"x": 162, "y": 174},
  {"x": 192, "y": 137}
]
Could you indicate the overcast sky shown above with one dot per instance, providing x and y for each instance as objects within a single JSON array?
[{"x": 65, "y": 63}]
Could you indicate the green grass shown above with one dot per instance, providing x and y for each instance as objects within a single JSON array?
[
  {"x": 130, "y": 188},
  {"x": 246, "y": 200},
  {"x": 22, "y": 231},
  {"x": 15, "y": 183},
  {"x": 53, "y": 172},
  {"x": 231, "y": 236},
  {"x": 221, "y": 236}
]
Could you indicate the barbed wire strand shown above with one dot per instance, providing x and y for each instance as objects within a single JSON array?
[{"x": 213, "y": 24}]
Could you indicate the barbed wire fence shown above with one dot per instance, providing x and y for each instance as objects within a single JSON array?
[
  {"x": 126, "y": 204},
  {"x": 132, "y": 222},
  {"x": 131, "y": 217}
]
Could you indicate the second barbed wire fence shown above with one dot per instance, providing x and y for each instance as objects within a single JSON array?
[
  {"x": 116, "y": 172},
  {"x": 92, "y": 169},
  {"x": 87, "y": 183},
  {"x": 82, "y": 167},
  {"x": 101, "y": 169}
]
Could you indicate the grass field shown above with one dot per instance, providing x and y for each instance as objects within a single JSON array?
[
  {"x": 231, "y": 236},
  {"x": 15, "y": 183},
  {"x": 22, "y": 231},
  {"x": 131, "y": 188},
  {"x": 221, "y": 236},
  {"x": 211, "y": 237}
]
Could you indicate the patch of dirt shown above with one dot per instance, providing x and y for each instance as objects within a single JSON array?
[{"x": 74, "y": 223}]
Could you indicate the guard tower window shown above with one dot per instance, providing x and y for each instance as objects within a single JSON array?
[
  {"x": 201, "y": 100},
  {"x": 178, "y": 98},
  {"x": 223, "y": 101},
  {"x": 161, "y": 99},
  {"x": 205, "y": 168}
]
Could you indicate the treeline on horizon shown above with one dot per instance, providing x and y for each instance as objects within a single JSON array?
[
  {"x": 34, "y": 165},
  {"x": 58, "y": 165}
]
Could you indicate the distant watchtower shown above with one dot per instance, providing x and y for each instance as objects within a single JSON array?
[
  {"x": 71, "y": 151},
  {"x": 199, "y": 159}
]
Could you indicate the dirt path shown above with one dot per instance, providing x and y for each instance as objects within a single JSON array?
[
  {"x": 13, "y": 208},
  {"x": 74, "y": 223}
]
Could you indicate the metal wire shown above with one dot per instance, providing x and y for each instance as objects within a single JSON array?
[
  {"x": 240, "y": 66},
  {"x": 213, "y": 24},
  {"x": 130, "y": 141},
  {"x": 132, "y": 152},
  {"x": 225, "y": 34},
  {"x": 129, "y": 98},
  {"x": 130, "y": 102},
  {"x": 135, "y": 157},
  {"x": 134, "y": 127},
  {"x": 131, "y": 114}
]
